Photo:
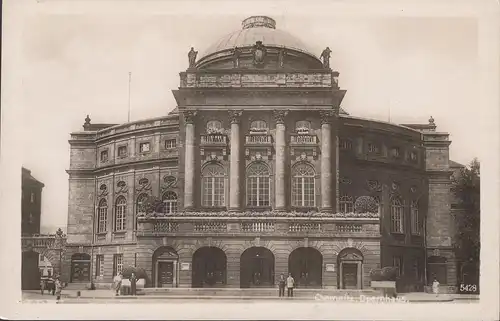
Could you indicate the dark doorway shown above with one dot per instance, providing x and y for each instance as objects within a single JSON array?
[
  {"x": 437, "y": 269},
  {"x": 165, "y": 274},
  {"x": 209, "y": 267},
  {"x": 165, "y": 267},
  {"x": 80, "y": 267},
  {"x": 257, "y": 268},
  {"x": 350, "y": 275},
  {"x": 30, "y": 277},
  {"x": 305, "y": 264}
]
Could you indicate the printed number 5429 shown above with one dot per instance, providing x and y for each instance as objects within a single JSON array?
[{"x": 468, "y": 288}]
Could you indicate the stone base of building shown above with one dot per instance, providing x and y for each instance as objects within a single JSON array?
[{"x": 230, "y": 262}]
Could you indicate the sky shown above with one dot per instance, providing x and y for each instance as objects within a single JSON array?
[{"x": 405, "y": 68}]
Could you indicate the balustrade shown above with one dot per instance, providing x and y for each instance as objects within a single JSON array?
[
  {"x": 160, "y": 227},
  {"x": 210, "y": 227},
  {"x": 214, "y": 139},
  {"x": 304, "y": 227},
  {"x": 257, "y": 227},
  {"x": 303, "y": 139},
  {"x": 349, "y": 228},
  {"x": 258, "y": 139}
]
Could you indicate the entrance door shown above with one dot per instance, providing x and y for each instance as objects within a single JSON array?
[
  {"x": 257, "y": 268},
  {"x": 350, "y": 275},
  {"x": 165, "y": 274},
  {"x": 80, "y": 271}
]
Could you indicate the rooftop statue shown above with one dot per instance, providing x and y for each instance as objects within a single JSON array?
[
  {"x": 325, "y": 55},
  {"x": 192, "y": 57}
]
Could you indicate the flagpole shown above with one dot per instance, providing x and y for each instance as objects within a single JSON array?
[{"x": 129, "y": 84}]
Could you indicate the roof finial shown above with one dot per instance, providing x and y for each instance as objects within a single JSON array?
[
  {"x": 431, "y": 121},
  {"x": 87, "y": 122}
]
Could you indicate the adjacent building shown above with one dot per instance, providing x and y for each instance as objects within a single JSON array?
[{"x": 260, "y": 172}]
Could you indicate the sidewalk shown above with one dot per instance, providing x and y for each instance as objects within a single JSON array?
[{"x": 99, "y": 295}]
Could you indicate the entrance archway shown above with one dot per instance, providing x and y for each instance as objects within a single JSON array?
[
  {"x": 257, "y": 268},
  {"x": 30, "y": 277},
  {"x": 350, "y": 269},
  {"x": 437, "y": 269},
  {"x": 209, "y": 267},
  {"x": 165, "y": 267},
  {"x": 305, "y": 264},
  {"x": 80, "y": 267}
]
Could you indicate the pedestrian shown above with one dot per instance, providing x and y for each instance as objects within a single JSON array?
[
  {"x": 58, "y": 287},
  {"x": 435, "y": 287},
  {"x": 290, "y": 282},
  {"x": 117, "y": 283},
  {"x": 42, "y": 286},
  {"x": 281, "y": 285},
  {"x": 133, "y": 284}
]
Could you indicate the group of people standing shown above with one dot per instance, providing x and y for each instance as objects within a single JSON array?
[
  {"x": 118, "y": 280},
  {"x": 56, "y": 287},
  {"x": 289, "y": 283}
]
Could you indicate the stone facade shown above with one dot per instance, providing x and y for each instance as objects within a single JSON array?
[{"x": 258, "y": 158}]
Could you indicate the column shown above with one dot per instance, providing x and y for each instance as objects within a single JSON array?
[
  {"x": 234, "y": 174},
  {"x": 280, "y": 145},
  {"x": 189, "y": 160},
  {"x": 326, "y": 160}
]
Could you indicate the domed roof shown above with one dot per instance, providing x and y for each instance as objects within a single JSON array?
[{"x": 258, "y": 28}]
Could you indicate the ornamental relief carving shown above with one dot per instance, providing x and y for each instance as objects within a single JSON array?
[
  {"x": 326, "y": 116},
  {"x": 279, "y": 116},
  {"x": 374, "y": 185},
  {"x": 121, "y": 187},
  {"x": 213, "y": 154},
  {"x": 189, "y": 116},
  {"x": 258, "y": 154},
  {"x": 103, "y": 190},
  {"x": 302, "y": 154},
  {"x": 143, "y": 184},
  {"x": 235, "y": 116}
]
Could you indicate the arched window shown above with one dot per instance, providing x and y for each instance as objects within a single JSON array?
[
  {"x": 303, "y": 125},
  {"x": 102, "y": 215},
  {"x": 303, "y": 186},
  {"x": 141, "y": 201},
  {"x": 258, "y": 124},
  {"x": 214, "y": 124},
  {"x": 170, "y": 200},
  {"x": 397, "y": 215},
  {"x": 258, "y": 185},
  {"x": 120, "y": 213},
  {"x": 213, "y": 186},
  {"x": 415, "y": 224},
  {"x": 346, "y": 204}
]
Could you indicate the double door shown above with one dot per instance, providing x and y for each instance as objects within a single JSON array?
[{"x": 166, "y": 274}]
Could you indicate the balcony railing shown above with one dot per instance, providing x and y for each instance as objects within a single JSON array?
[
  {"x": 208, "y": 223},
  {"x": 304, "y": 227},
  {"x": 349, "y": 228},
  {"x": 257, "y": 227},
  {"x": 43, "y": 240},
  {"x": 258, "y": 139},
  {"x": 303, "y": 139},
  {"x": 214, "y": 139}
]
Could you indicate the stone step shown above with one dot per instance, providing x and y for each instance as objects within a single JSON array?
[{"x": 255, "y": 292}]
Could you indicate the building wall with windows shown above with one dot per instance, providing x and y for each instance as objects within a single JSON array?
[
  {"x": 259, "y": 170},
  {"x": 31, "y": 206}
]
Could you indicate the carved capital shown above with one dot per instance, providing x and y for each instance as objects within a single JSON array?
[
  {"x": 326, "y": 116},
  {"x": 235, "y": 116},
  {"x": 189, "y": 116},
  {"x": 279, "y": 116}
]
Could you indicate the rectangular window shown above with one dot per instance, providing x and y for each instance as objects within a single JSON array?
[
  {"x": 144, "y": 147},
  {"x": 117, "y": 263},
  {"x": 104, "y": 156},
  {"x": 413, "y": 156},
  {"x": 32, "y": 197},
  {"x": 213, "y": 192},
  {"x": 170, "y": 143},
  {"x": 373, "y": 148},
  {"x": 99, "y": 265},
  {"x": 345, "y": 144},
  {"x": 397, "y": 217},
  {"x": 102, "y": 219},
  {"x": 395, "y": 152},
  {"x": 397, "y": 262},
  {"x": 415, "y": 223},
  {"x": 122, "y": 151}
]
